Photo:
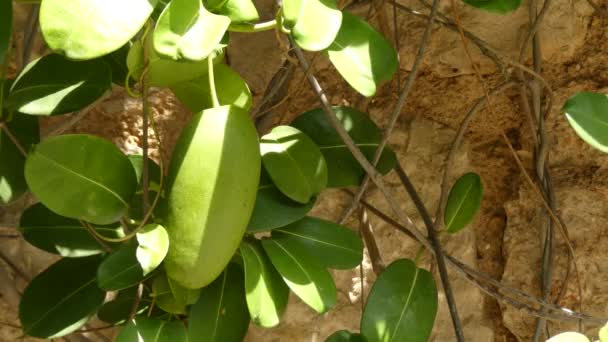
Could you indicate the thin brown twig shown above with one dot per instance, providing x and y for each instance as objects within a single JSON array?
[
  {"x": 96, "y": 236},
  {"x": 370, "y": 242},
  {"x": 9, "y": 262}
]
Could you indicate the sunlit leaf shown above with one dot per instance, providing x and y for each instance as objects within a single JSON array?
[
  {"x": 86, "y": 29},
  {"x": 401, "y": 306},
  {"x": 496, "y": 6},
  {"x": 294, "y": 163},
  {"x": 143, "y": 329},
  {"x": 239, "y": 11},
  {"x": 569, "y": 336},
  {"x": 317, "y": 24},
  {"x": 61, "y": 299},
  {"x": 604, "y": 333},
  {"x": 55, "y": 85},
  {"x": 588, "y": 115},
  {"x": 463, "y": 202},
  {"x": 153, "y": 243}
]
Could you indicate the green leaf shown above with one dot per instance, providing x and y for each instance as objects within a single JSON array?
[
  {"x": 186, "y": 30},
  {"x": 182, "y": 294},
  {"x": 12, "y": 162},
  {"x": 153, "y": 243},
  {"x": 294, "y": 163},
  {"x": 6, "y": 26},
  {"x": 361, "y": 55},
  {"x": 137, "y": 160},
  {"x": 463, "y": 202},
  {"x": 345, "y": 336},
  {"x": 331, "y": 244},
  {"x": 196, "y": 95},
  {"x": 291, "y": 11},
  {"x": 317, "y": 24},
  {"x": 120, "y": 270},
  {"x": 164, "y": 72},
  {"x": 588, "y": 115},
  {"x": 342, "y": 167},
  {"x": 221, "y": 313},
  {"x": 61, "y": 299},
  {"x": 240, "y": 11},
  {"x": 303, "y": 274},
  {"x": 61, "y": 235},
  {"x": 401, "y": 306},
  {"x": 273, "y": 209},
  {"x": 604, "y": 333},
  {"x": 496, "y": 6},
  {"x": 143, "y": 329},
  {"x": 86, "y": 29},
  {"x": 95, "y": 179},
  {"x": 569, "y": 336},
  {"x": 266, "y": 292},
  {"x": 117, "y": 311},
  {"x": 164, "y": 298},
  {"x": 117, "y": 61},
  {"x": 55, "y": 85}
]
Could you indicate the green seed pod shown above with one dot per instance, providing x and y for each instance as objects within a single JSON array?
[{"x": 212, "y": 184}]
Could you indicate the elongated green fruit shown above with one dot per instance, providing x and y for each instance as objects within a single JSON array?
[{"x": 212, "y": 182}]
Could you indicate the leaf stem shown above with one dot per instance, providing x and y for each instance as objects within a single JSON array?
[
  {"x": 251, "y": 28},
  {"x": 214, "y": 99},
  {"x": 98, "y": 237}
]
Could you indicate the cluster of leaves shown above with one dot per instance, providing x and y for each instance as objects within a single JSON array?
[{"x": 90, "y": 193}]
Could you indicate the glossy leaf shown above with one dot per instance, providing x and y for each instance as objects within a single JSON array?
[
  {"x": 361, "y": 55},
  {"x": 331, "y": 244},
  {"x": 61, "y": 235},
  {"x": 569, "y": 336},
  {"x": 233, "y": 90},
  {"x": 12, "y": 162},
  {"x": 95, "y": 180},
  {"x": 221, "y": 313},
  {"x": 463, "y": 202},
  {"x": 317, "y": 24},
  {"x": 117, "y": 311},
  {"x": 308, "y": 279},
  {"x": 182, "y": 294},
  {"x": 239, "y": 11},
  {"x": 137, "y": 160},
  {"x": 345, "y": 336},
  {"x": 61, "y": 299},
  {"x": 588, "y": 115},
  {"x": 273, "y": 209},
  {"x": 266, "y": 292},
  {"x": 164, "y": 72},
  {"x": 55, "y": 85},
  {"x": 120, "y": 270},
  {"x": 186, "y": 30},
  {"x": 86, "y": 29},
  {"x": 604, "y": 333},
  {"x": 342, "y": 167},
  {"x": 294, "y": 163},
  {"x": 401, "y": 306},
  {"x": 6, "y": 26},
  {"x": 496, "y": 6},
  {"x": 164, "y": 298},
  {"x": 153, "y": 243},
  {"x": 143, "y": 329},
  {"x": 291, "y": 11}
]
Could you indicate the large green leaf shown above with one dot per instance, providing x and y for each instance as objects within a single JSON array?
[
  {"x": 153, "y": 242},
  {"x": 6, "y": 23},
  {"x": 331, "y": 244},
  {"x": 294, "y": 163},
  {"x": 342, "y": 167},
  {"x": 291, "y": 11},
  {"x": 308, "y": 279},
  {"x": 220, "y": 314},
  {"x": 95, "y": 180},
  {"x": 117, "y": 311},
  {"x": 86, "y": 29},
  {"x": 266, "y": 292},
  {"x": 164, "y": 72},
  {"x": 401, "y": 306},
  {"x": 61, "y": 235},
  {"x": 345, "y": 336},
  {"x": 186, "y": 30},
  {"x": 361, "y": 55},
  {"x": 273, "y": 209},
  {"x": 172, "y": 297},
  {"x": 232, "y": 90},
  {"x": 463, "y": 202},
  {"x": 239, "y": 11},
  {"x": 496, "y": 6},
  {"x": 55, "y": 85},
  {"x": 317, "y": 24},
  {"x": 143, "y": 329},
  {"x": 61, "y": 299},
  {"x": 603, "y": 334},
  {"x": 588, "y": 115},
  {"x": 12, "y": 162},
  {"x": 120, "y": 270}
]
